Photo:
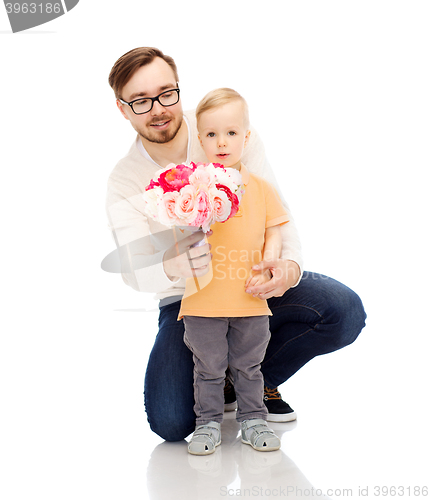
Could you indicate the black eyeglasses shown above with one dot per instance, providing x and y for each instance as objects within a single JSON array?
[{"x": 144, "y": 104}]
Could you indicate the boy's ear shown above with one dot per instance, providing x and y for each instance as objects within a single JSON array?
[{"x": 248, "y": 133}]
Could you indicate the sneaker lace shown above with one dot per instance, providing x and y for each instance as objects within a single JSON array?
[{"x": 271, "y": 393}]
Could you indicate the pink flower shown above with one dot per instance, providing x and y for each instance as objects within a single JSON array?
[
  {"x": 232, "y": 197},
  {"x": 202, "y": 176},
  {"x": 195, "y": 196},
  {"x": 152, "y": 185},
  {"x": 221, "y": 205},
  {"x": 195, "y": 165},
  {"x": 166, "y": 209},
  {"x": 186, "y": 206},
  {"x": 204, "y": 210},
  {"x": 175, "y": 178}
]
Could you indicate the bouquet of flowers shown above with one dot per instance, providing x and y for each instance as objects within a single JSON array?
[{"x": 195, "y": 195}]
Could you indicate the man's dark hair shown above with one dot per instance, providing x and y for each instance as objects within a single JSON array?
[{"x": 130, "y": 62}]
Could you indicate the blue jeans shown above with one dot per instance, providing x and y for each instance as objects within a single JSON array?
[{"x": 319, "y": 316}]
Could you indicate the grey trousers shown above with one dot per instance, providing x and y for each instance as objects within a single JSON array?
[{"x": 216, "y": 343}]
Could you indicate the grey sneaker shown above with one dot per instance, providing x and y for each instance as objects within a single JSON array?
[
  {"x": 256, "y": 433},
  {"x": 205, "y": 439}
]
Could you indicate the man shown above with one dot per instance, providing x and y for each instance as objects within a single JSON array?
[{"x": 311, "y": 315}]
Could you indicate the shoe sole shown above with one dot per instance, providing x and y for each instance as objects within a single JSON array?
[
  {"x": 261, "y": 448},
  {"x": 281, "y": 417},
  {"x": 204, "y": 453}
]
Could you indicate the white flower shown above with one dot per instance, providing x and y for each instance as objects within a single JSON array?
[
  {"x": 152, "y": 198},
  {"x": 230, "y": 177},
  {"x": 166, "y": 212}
]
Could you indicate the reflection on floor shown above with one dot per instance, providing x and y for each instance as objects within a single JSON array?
[{"x": 235, "y": 470}]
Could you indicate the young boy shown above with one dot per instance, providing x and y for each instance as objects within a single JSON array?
[{"x": 224, "y": 326}]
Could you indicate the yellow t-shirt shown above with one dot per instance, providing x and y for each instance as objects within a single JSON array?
[{"x": 237, "y": 245}]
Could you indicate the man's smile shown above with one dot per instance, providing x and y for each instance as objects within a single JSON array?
[{"x": 160, "y": 125}]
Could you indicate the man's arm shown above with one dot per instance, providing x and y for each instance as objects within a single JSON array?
[
  {"x": 151, "y": 261},
  {"x": 185, "y": 260},
  {"x": 139, "y": 258}
]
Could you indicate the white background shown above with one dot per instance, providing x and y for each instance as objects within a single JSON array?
[{"x": 338, "y": 90}]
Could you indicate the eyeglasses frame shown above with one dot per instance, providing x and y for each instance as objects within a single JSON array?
[{"x": 153, "y": 99}]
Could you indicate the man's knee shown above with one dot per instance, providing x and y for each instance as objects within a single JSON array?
[
  {"x": 171, "y": 420},
  {"x": 173, "y": 429},
  {"x": 349, "y": 317}
]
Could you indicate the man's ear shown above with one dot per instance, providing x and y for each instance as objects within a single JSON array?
[{"x": 119, "y": 105}]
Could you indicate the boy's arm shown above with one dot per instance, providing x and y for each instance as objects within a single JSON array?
[
  {"x": 272, "y": 251},
  {"x": 272, "y": 243},
  {"x": 291, "y": 260}
]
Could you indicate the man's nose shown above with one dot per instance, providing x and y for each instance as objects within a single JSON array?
[{"x": 157, "y": 109}]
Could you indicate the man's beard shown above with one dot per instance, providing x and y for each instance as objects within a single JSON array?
[{"x": 160, "y": 137}]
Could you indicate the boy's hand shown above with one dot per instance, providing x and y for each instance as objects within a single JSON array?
[
  {"x": 258, "y": 278},
  {"x": 285, "y": 274}
]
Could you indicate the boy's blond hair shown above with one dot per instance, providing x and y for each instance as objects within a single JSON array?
[{"x": 219, "y": 97}]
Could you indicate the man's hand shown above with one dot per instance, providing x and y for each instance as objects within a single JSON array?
[
  {"x": 285, "y": 274},
  {"x": 182, "y": 260}
]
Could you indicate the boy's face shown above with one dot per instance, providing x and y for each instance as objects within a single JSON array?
[{"x": 223, "y": 134}]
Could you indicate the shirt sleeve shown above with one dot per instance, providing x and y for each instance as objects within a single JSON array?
[
  {"x": 138, "y": 259},
  {"x": 276, "y": 215},
  {"x": 139, "y": 254}
]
